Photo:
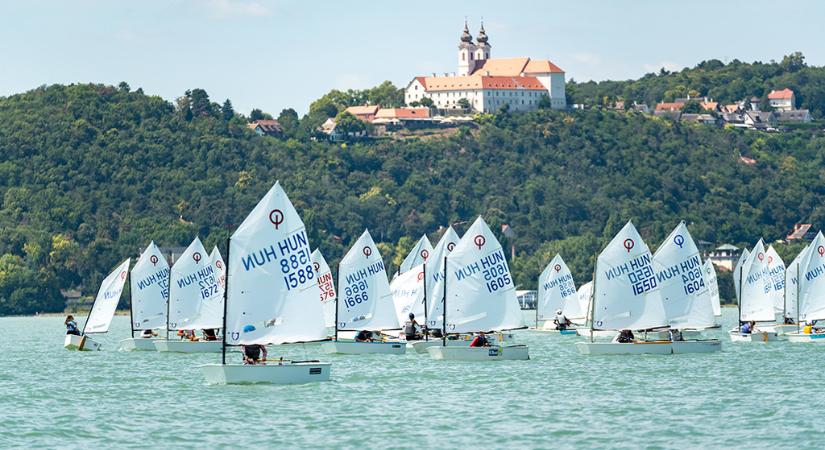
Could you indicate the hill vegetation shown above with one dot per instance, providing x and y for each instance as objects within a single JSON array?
[{"x": 90, "y": 174}]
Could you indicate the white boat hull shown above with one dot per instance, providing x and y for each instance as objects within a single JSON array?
[
  {"x": 781, "y": 329},
  {"x": 364, "y": 348},
  {"x": 285, "y": 373},
  {"x": 697, "y": 346},
  {"x": 632, "y": 348},
  {"x": 817, "y": 338},
  {"x": 137, "y": 344},
  {"x": 568, "y": 331},
  {"x": 492, "y": 353},
  {"x": 757, "y": 336},
  {"x": 80, "y": 343},
  {"x": 463, "y": 341},
  {"x": 182, "y": 346}
]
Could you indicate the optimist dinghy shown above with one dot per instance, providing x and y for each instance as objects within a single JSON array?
[
  {"x": 557, "y": 292},
  {"x": 195, "y": 300},
  {"x": 148, "y": 295},
  {"x": 810, "y": 291},
  {"x": 684, "y": 292},
  {"x": 479, "y": 295},
  {"x": 365, "y": 302},
  {"x": 271, "y": 295},
  {"x": 626, "y": 297},
  {"x": 756, "y": 297},
  {"x": 102, "y": 311}
]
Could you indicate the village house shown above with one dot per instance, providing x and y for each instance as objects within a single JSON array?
[
  {"x": 266, "y": 127},
  {"x": 724, "y": 256},
  {"x": 488, "y": 84},
  {"x": 782, "y": 100},
  {"x": 801, "y": 231},
  {"x": 365, "y": 112}
]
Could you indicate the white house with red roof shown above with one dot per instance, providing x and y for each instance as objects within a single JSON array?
[
  {"x": 490, "y": 83},
  {"x": 782, "y": 100}
]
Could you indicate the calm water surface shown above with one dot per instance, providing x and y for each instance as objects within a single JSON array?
[{"x": 749, "y": 394}]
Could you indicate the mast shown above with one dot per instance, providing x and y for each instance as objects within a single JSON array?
[
  {"x": 336, "y": 301},
  {"x": 538, "y": 297},
  {"x": 131, "y": 305},
  {"x": 444, "y": 308},
  {"x": 426, "y": 316},
  {"x": 88, "y": 316},
  {"x": 168, "y": 300},
  {"x": 798, "y": 285},
  {"x": 225, "y": 296},
  {"x": 741, "y": 295},
  {"x": 593, "y": 299}
]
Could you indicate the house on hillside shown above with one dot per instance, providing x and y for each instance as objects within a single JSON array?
[
  {"x": 724, "y": 256},
  {"x": 801, "y": 231},
  {"x": 793, "y": 115},
  {"x": 266, "y": 127},
  {"x": 672, "y": 106},
  {"x": 759, "y": 120},
  {"x": 704, "y": 119},
  {"x": 364, "y": 112},
  {"x": 402, "y": 114},
  {"x": 782, "y": 100}
]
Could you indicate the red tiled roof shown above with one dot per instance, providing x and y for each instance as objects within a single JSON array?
[
  {"x": 669, "y": 106},
  {"x": 542, "y": 66},
  {"x": 784, "y": 94},
  {"x": 799, "y": 231},
  {"x": 363, "y": 110}
]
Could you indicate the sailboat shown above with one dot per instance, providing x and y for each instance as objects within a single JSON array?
[
  {"x": 684, "y": 291},
  {"x": 193, "y": 286},
  {"x": 585, "y": 296},
  {"x": 365, "y": 302},
  {"x": 810, "y": 287},
  {"x": 557, "y": 291},
  {"x": 102, "y": 311},
  {"x": 713, "y": 290},
  {"x": 271, "y": 295},
  {"x": 148, "y": 295},
  {"x": 326, "y": 287},
  {"x": 479, "y": 296},
  {"x": 626, "y": 296},
  {"x": 737, "y": 273},
  {"x": 792, "y": 291},
  {"x": 755, "y": 294},
  {"x": 407, "y": 291}
]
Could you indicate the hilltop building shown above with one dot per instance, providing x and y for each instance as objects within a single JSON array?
[
  {"x": 782, "y": 100},
  {"x": 490, "y": 83}
]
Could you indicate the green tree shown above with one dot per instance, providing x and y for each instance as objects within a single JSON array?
[
  {"x": 227, "y": 111},
  {"x": 463, "y": 103}
]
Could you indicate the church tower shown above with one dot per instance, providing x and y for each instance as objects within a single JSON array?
[
  {"x": 466, "y": 53},
  {"x": 483, "y": 47}
]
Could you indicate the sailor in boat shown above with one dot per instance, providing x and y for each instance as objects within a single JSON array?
[
  {"x": 809, "y": 328},
  {"x": 676, "y": 335},
  {"x": 624, "y": 337},
  {"x": 747, "y": 327},
  {"x": 71, "y": 326},
  {"x": 364, "y": 336},
  {"x": 210, "y": 335},
  {"x": 561, "y": 321},
  {"x": 411, "y": 328},
  {"x": 148, "y": 334},
  {"x": 789, "y": 321},
  {"x": 480, "y": 340},
  {"x": 253, "y": 354},
  {"x": 188, "y": 334}
]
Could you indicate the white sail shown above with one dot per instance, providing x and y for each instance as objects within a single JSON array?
[
  {"x": 557, "y": 291},
  {"x": 737, "y": 273},
  {"x": 792, "y": 286},
  {"x": 681, "y": 281},
  {"x": 713, "y": 287},
  {"x": 776, "y": 268},
  {"x": 626, "y": 291},
  {"x": 272, "y": 293},
  {"x": 408, "y": 294},
  {"x": 481, "y": 294},
  {"x": 365, "y": 302},
  {"x": 326, "y": 287},
  {"x": 210, "y": 310},
  {"x": 150, "y": 289},
  {"x": 193, "y": 280},
  {"x": 417, "y": 256},
  {"x": 584, "y": 295},
  {"x": 757, "y": 301},
  {"x": 812, "y": 281},
  {"x": 434, "y": 272},
  {"x": 106, "y": 301}
]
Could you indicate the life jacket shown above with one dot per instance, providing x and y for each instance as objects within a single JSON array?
[
  {"x": 252, "y": 351},
  {"x": 409, "y": 328},
  {"x": 71, "y": 327}
]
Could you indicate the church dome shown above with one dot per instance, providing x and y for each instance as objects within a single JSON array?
[
  {"x": 482, "y": 35},
  {"x": 466, "y": 36}
]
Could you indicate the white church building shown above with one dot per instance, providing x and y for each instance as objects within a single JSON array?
[{"x": 490, "y": 83}]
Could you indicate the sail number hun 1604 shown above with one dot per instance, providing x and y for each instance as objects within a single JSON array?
[{"x": 297, "y": 269}]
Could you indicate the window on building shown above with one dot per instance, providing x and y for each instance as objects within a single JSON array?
[{"x": 462, "y": 56}]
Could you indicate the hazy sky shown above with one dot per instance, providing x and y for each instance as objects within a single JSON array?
[{"x": 275, "y": 54}]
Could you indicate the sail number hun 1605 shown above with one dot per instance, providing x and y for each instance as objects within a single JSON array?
[{"x": 297, "y": 269}]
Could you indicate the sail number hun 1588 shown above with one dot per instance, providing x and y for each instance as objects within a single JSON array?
[{"x": 297, "y": 269}]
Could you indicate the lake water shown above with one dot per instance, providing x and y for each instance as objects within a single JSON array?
[{"x": 748, "y": 395}]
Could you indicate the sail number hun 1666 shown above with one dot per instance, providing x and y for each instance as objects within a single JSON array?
[{"x": 297, "y": 269}]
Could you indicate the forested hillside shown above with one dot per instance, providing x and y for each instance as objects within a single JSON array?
[
  {"x": 90, "y": 174},
  {"x": 726, "y": 83}
]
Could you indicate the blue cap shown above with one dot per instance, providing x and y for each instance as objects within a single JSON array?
[{"x": 248, "y": 328}]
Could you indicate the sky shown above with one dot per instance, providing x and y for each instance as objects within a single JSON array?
[{"x": 274, "y": 54}]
